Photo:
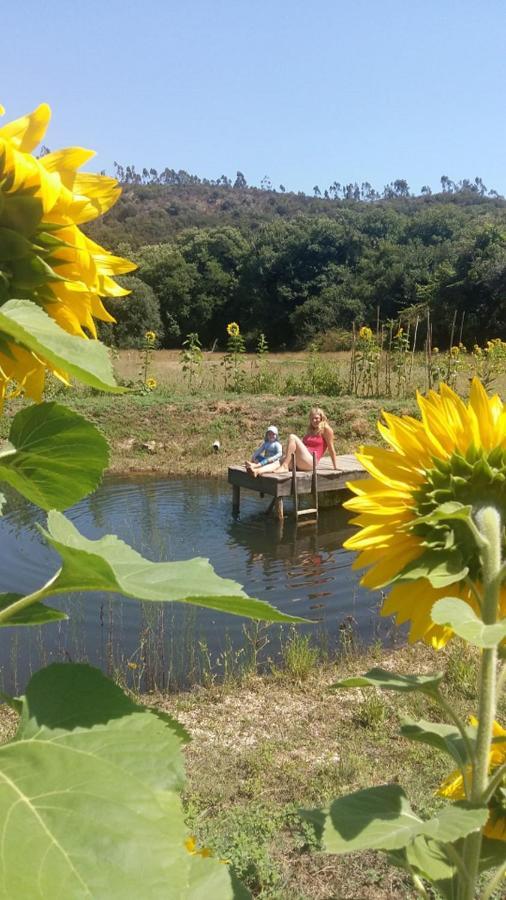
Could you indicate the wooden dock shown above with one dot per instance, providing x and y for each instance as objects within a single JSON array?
[{"x": 279, "y": 486}]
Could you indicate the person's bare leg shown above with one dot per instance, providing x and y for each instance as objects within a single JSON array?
[
  {"x": 303, "y": 458},
  {"x": 269, "y": 467}
]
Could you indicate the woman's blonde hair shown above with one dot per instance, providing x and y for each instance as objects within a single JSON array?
[{"x": 316, "y": 411}]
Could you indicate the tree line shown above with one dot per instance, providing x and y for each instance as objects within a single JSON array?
[
  {"x": 294, "y": 279},
  {"x": 365, "y": 192}
]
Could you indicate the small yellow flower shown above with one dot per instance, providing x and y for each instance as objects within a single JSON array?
[
  {"x": 151, "y": 383},
  {"x": 454, "y": 351},
  {"x": 435, "y": 349},
  {"x": 400, "y": 333},
  {"x": 191, "y": 845},
  {"x": 453, "y": 786},
  {"x": 365, "y": 333},
  {"x": 233, "y": 329},
  {"x": 150, "y": 337},
  {"x": 132, "y": 665},
  {"x": 477, "y": 350}
]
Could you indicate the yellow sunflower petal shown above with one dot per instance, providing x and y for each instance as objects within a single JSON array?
[{"x": 25, "y": 133}]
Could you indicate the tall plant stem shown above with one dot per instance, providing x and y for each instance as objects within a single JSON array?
[{"x": 489, "y": 524}]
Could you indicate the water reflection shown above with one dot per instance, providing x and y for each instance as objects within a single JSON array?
[{"x": 300, "y": 570}]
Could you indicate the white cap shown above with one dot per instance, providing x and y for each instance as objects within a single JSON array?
[{"x": 273, "y": 429}]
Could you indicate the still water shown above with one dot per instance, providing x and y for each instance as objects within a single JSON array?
[{"x": 303, "y": 571}]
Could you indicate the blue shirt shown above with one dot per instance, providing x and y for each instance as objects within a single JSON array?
[{"x": 268, "y": 452}]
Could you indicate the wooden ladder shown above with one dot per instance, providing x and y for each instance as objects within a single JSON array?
[{"x": 312, "y": 510}]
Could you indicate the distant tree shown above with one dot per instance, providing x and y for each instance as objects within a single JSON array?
[
  {"x": 282, "y": 188},
  {"x": 316, "y": 191},
  {"x": 240, "y": 181},
  {"x": 367, "y": 192},
  {"x": 426, "y": 190},
  {"x": 447, "y": 185},
  {"x": 135, "y": 314},
  {"x": 401, "y": 187},
  {"x": 266, "y": 183}
]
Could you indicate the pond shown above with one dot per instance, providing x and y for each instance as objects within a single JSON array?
[{"x": 303, "y": 571}]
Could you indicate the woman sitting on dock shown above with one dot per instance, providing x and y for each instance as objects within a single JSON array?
[{"x": 318, "y": 440}]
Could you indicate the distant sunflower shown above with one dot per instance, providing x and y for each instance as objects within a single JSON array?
[
  {"x": 457, "y": 452},
  {"x": 233, "y": 329},
  {"x": 365, "y": 333},
  {"x": 151, "y": 383},
  {"x": 453, "y": 786},
  {"x": 45, "y": 256}
]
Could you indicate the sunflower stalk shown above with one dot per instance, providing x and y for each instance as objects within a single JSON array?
[
  {"x": 28, "y": 600},
  {"x": 489, "y": 523},
  {"x": 450, "y": 712}
]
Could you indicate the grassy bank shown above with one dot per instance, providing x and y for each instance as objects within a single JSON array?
[
  {"x": 269, "y": 746},
  {"x": 264, "y": 747},
  {"x": 173, "y": 434}
]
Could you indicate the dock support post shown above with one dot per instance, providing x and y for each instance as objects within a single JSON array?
[
  {"x": 278, "y": 508},
  {"x": 236, "y": 499},
  {"x": 294, "y": 487}
]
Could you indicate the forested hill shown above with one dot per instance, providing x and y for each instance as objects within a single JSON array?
[
  {"x": 152, "y": 213},
  {"x": 295, "y": 267}
]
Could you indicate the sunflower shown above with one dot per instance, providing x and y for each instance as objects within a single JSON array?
[
  {"x": 45, "y": 256},
  {"x": 150, "y": 337},
  {"x": 453, "y": 786},
  {"x": 233, "y": 329},
  {"x": 151, "y": 383},
  {"x": 365, "y": 333},
  {"x": 454, "y": 459}
]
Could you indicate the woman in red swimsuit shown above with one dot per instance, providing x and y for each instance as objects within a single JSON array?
[{"x": 318, "y": 440}]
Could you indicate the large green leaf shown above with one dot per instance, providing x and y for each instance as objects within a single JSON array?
[
  {"x": 446, "y": 738},
  {"x": 210, "y": 878},
  {"x": 64, "y": 697},
  {"x": 55, "y": 457},
  {"x": 88, "y": 799},
  {"x": 461, "y": 618},
  {"x": 390, "y": 681},
  {"x": 29, "y": 325},
  {"x": 108, "y": 564},
  {"x": 381, "y": 818},
  {"x": 36, "y": 614},
  {"x": 429, "y": 860},
  {"x": 441, "y": 569}
]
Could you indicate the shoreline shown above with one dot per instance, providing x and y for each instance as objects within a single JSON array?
[{"x": 172, "y": 435}]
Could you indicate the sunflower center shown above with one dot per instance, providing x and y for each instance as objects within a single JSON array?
[{"x": 475, "y": 479}]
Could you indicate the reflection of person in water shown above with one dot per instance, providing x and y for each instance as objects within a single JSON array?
[
  {"x": 317, "y": 441},
  {"x": 268, "y": 453}
]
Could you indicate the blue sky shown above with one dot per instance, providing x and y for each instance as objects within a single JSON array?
[{"x": 304, "y": 92}]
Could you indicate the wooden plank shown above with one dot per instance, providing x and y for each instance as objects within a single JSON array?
[{"x": 236, "y": 498}]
